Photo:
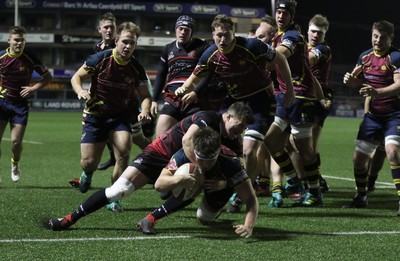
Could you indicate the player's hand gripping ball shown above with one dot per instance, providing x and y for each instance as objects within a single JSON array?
[{"x": 186, "y": 170}]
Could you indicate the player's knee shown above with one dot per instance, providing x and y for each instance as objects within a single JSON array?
[
  {"x": 392, "y": 140},
  {"x": 16, "y": 143},
  {"x": 365, "y": 147},
  {"x": 393, "y": 158},
  {"x": 120, "y": 189},
  {"x": 250, "y": 153},
  {"x": 392, "y": 143},
  {"x": 205, "y": 215},
  {"x": 282, "y": 124},
  {"x": 87, "y": 165},
  {"x": 301, "y": 133},
  {"x": 123, "y": 158},
  {"x": 253, "y": 135}
]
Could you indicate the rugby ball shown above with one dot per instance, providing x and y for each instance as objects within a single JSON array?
[{"x": 186, "y": 194}]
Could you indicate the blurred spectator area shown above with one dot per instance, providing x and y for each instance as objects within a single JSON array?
[{"x": 63, "y": 33}]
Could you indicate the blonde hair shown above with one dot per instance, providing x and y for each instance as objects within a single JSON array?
[
  {"x": 222, "y": 20},
  {"x": 130, "y": 27},
  {"x": 107, "y": 16}
]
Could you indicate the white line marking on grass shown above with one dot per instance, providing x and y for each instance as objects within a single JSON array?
[
  {"x": 50, "y": 240},
  {"x": 26, "y": 141},
  {"x": 363, "y": 233},
  {"x": 354, "y": 233},
  {"x": 24, "y": 240},
  {"x": 349, "y": 179}
]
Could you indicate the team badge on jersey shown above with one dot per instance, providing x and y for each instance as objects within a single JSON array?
[
  {"x": 289, "y": 43},
  {"x": 316, "y": 52},
  {"x": 170, "y": 55}
]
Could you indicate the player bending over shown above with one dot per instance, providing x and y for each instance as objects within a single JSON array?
[{"x": 224, "y": 174}]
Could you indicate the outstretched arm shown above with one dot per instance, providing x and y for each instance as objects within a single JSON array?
[
  {"x": 187, "y": 142},
  {"x": 188, "y": 86},
  {"x": 246, "y": 193},
  {"x": 166, "y": 181}
]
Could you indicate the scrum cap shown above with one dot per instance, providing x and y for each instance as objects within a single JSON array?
[
  {"x": 185, "y": 20},
  {"x": 288, "y": 5}
]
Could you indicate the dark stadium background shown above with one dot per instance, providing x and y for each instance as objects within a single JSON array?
[{"x": 349, "y": 34}]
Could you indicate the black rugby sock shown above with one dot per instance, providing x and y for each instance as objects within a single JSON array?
[
  {"x": 171, "y": 205},
  {"x": 93, "y": 203}
]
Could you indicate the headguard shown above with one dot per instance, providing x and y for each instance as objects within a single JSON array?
[
  {"x": 185, "y": 20},
  {"x": 288, "y": 5}
]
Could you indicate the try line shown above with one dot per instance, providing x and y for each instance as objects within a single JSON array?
[{"x": 50, "y": 240}]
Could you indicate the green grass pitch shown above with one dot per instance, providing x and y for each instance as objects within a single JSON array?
[{"x": 51, "y": 157}]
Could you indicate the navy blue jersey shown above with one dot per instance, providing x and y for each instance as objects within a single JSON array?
[
  {"x": 298, "y": 62},
  {"x": 228, "y": 167},
  {"x": 322, "y": 68},
  {"x": 112, "y": 89}
]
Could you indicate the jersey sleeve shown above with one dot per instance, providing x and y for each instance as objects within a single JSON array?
[
  {"x": 358, "y": 69},
  {"x": 321, "y": 52},
  {"x": 177, "y": 160},
  {"x": 291, "y": 39},
  {"x": 38, "y": 65},
  {"x": 90, "y": 64},
  {"x": 142, "y": 73},
  {"x": 202, "y": 69},
  {"x": 162, "y": 73},
  {"x": 260, "y": 49},
  {"x": 207, "y": 118},
  {"x": 395, "y": 59}
]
